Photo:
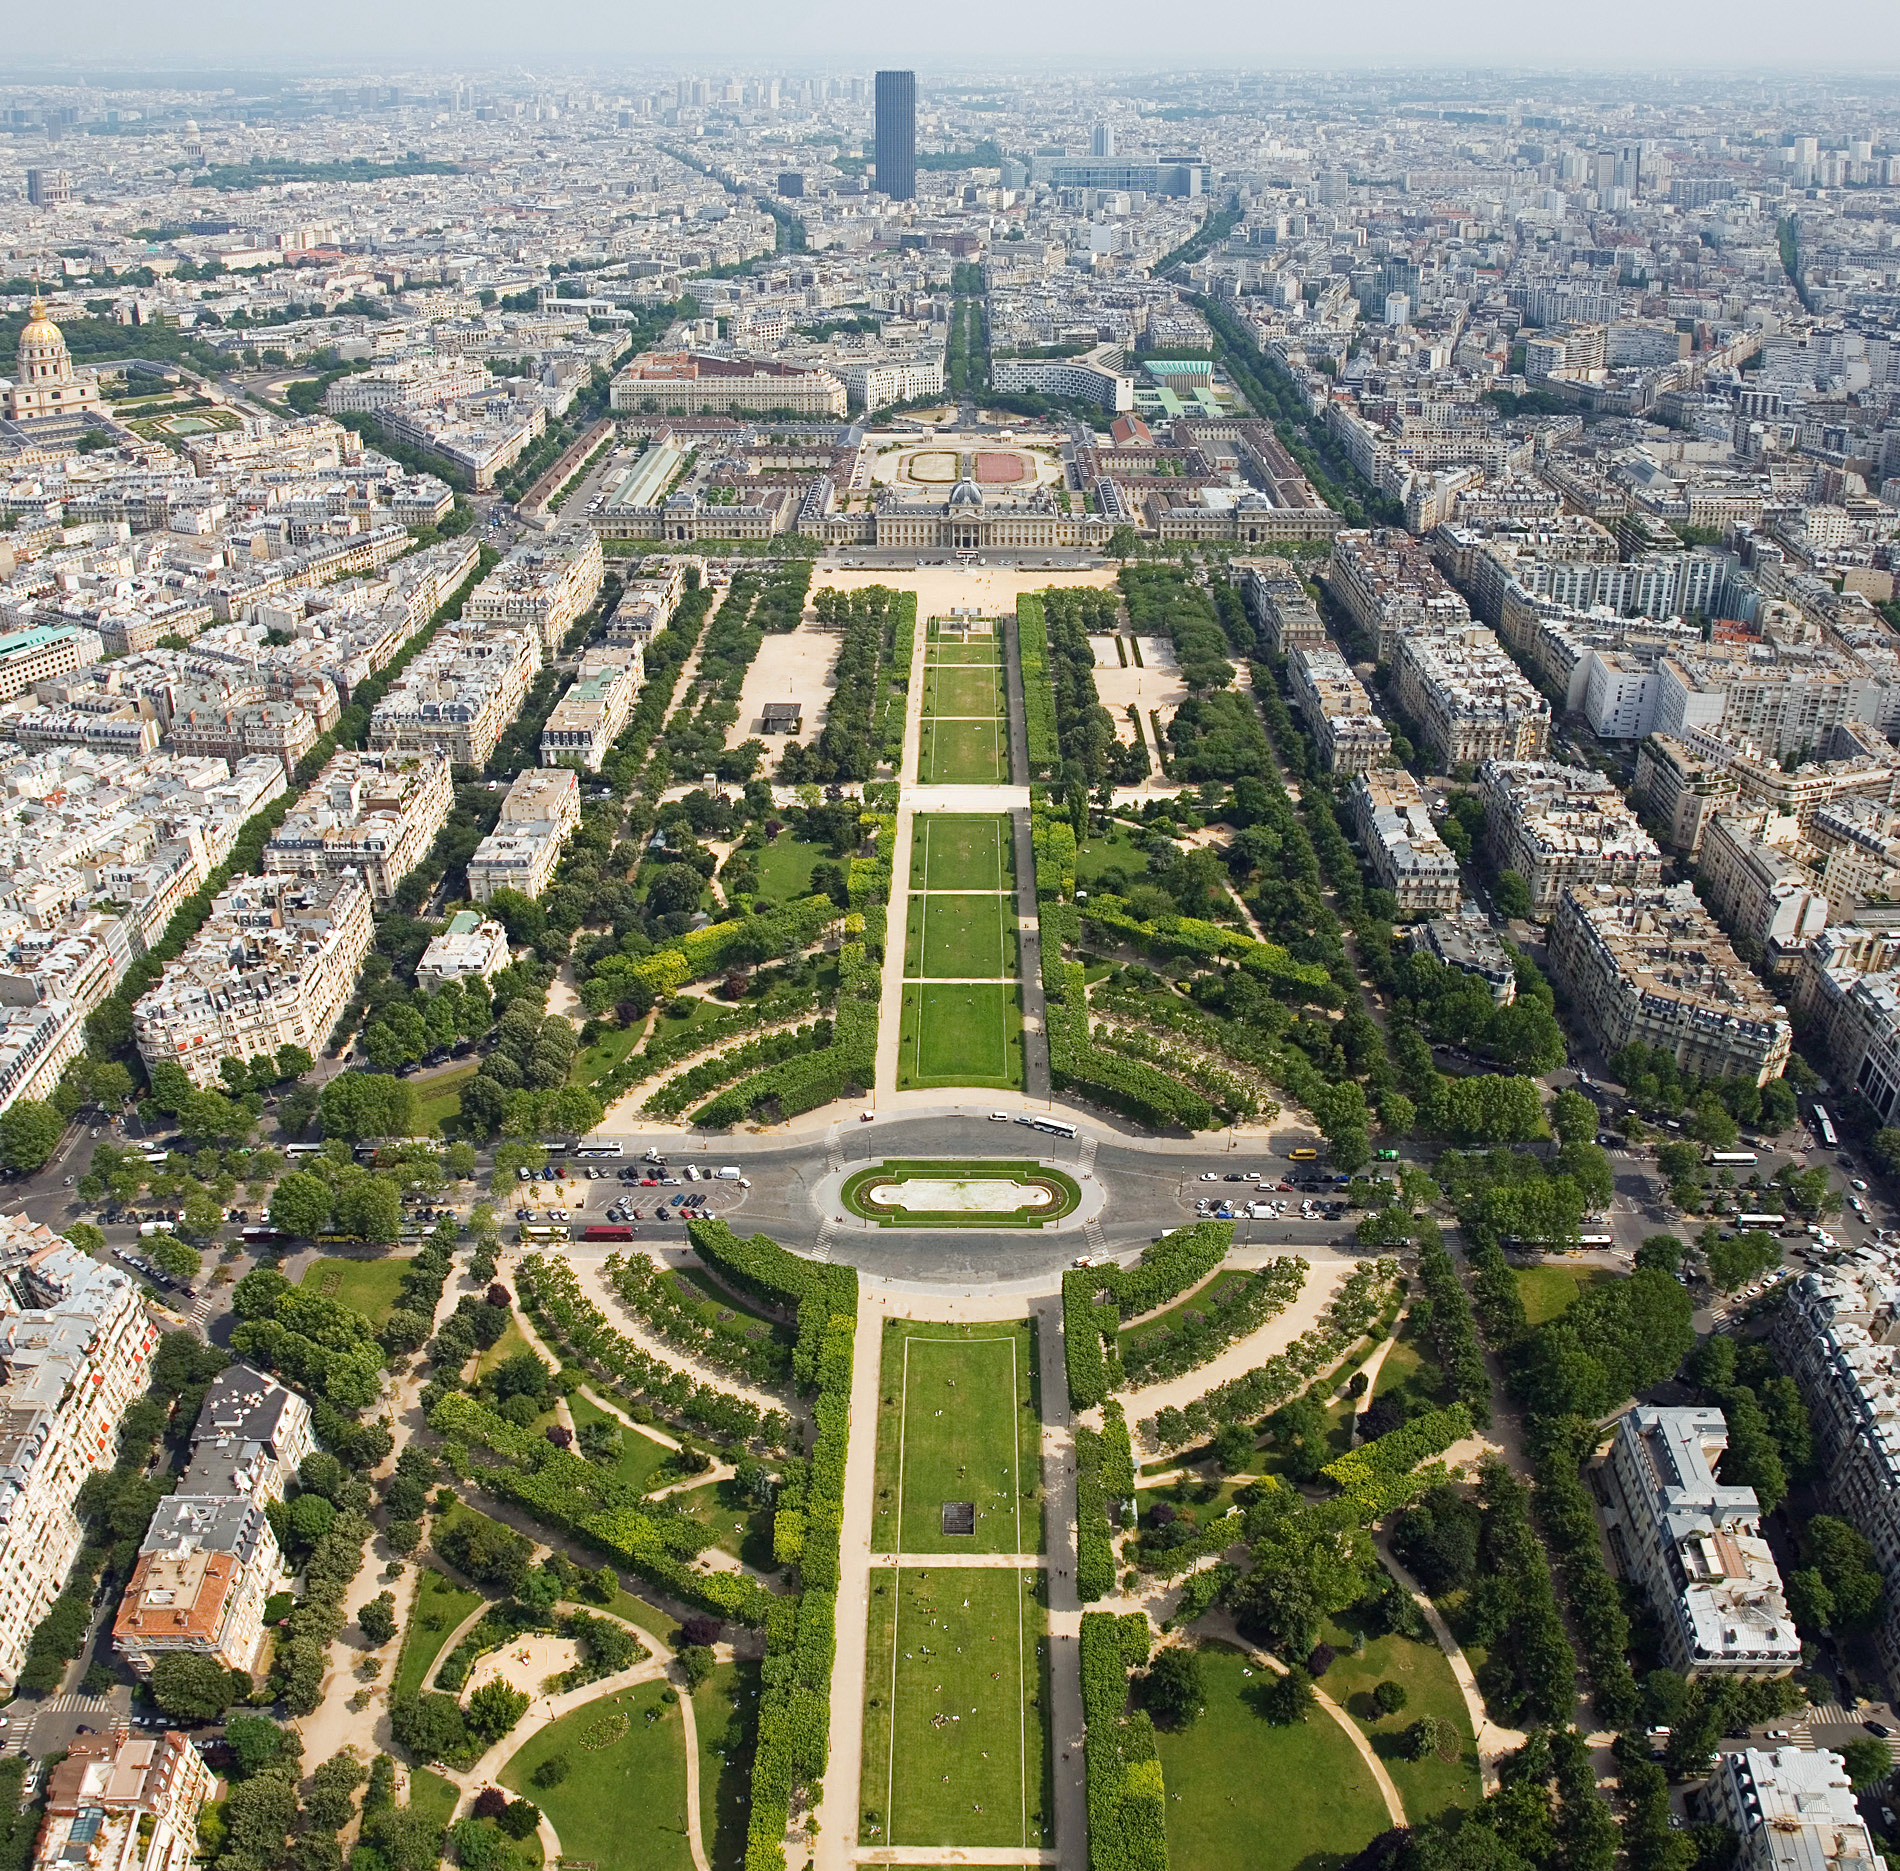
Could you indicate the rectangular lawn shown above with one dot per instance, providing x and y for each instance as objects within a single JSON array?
[
  {"x": 725, "y": 1714},
  {"x": 957, "y": 1422},
  {"x": 969, "y": 1033},
  {"x": 962, "y": 851},
  {"x": 367, "y": 1286},
  {"x": 960, "y": 938},
  {"x": 963, "y": 752},
  {"x": 623, "y": 1801},
  {"x": 963, "y": 691},
  {"x": 954, "y": 1736}
]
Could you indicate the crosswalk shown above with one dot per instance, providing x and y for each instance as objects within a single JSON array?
[
  {"x": 1831, "y": 1715},
  {"x": 77, "y": 1705},
  {"x": 1092, "y": 1232},
  {"x": 822, "y": 1249}
]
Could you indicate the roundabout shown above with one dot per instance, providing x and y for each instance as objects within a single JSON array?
[{"x": 937, "y": 1193}]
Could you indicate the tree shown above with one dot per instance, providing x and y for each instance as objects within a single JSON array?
[
  {"x": 1513, "y": 895},
  {"x": 378, "y": 1618},
  {"x": 178, "y": 1258},
  {"x": 1868, "y": 1762},
  {"x": 203, "y": 1213},
  {"x": 1425, "y": 1736},
  {"x": 30, "y": 1130},
  {"x": 192, "y": 1688},
  {"x": 311, "y": 1517},
  {"x": 1389, "y": 1697},
  {"x": 1174, "y": 1689},
  {"x": 494, "y": 1709},
  {"x": 371, "y": 1209},
  {"x": 520, "y": 1819},
  {"x": 256, "y": 1742},
  {"x": 1712, "y": 1124},
  {"x": 1573, "y": 1117},
  {"x": 1286, "y": 1699},
  {"x": 552, "y": 1771},
  {"x": 697, "y": 1664},
  {"x": 1661, "y": 1251},
  {"x": 355, "y": 1105},
  {"x": 1234, "y": 1447}
]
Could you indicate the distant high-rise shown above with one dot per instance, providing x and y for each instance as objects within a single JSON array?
[
  {"x": 1102, "y": 141},
  {"x": 897, "y": 134}
]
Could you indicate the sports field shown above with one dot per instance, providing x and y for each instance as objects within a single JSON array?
[
  {"x": 961, "y": 1033},
  {"x": 960, "y": 938},
  {"x": 955, "y": 1744},
  {"x": 957, "y": 1424},
  {"x": 962, "y": 851}
]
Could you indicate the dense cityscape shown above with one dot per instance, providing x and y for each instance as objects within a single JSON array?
[{"x": 949, "y": 966}]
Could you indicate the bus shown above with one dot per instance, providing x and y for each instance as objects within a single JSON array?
[
  {"x": 1732, "y": 1159},
  {"x": 1761, "y": 1221},
  {"x": 556, "y": 1149},
  {"x": 1595, "y": 1240},
  {"x": 1825, "y": 1125},
  {"x": 261, "y": 1237},
  {"x": 597, "y": 1149},
  {"x": 607, "y": 1231},
  {"x": 154, "y": 1157},
  {"x": 1053, "y": 1125},
  {"x": 544, "y": 1231},
  {"x": 1302, "y": 1155},
  {"x": 303, "y": 1149}
]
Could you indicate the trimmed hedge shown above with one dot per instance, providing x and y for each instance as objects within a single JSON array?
[
  {"x": 1164, "y": 1272},
  {"x": 1127, "y": 1798},
  {"x": 1239, "y": 1310},
  {"x": 1039, "y": 702},
  {"x": 1374, "y": 1477}
]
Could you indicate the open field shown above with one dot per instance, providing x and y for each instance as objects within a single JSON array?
[
  {"x": 969, "y": 1033},
  {"x": 1246, "y": 1796},
  {"x": 954, "y": 1736},
  {"x": 624, "y": 1799},
  {"x": 957, "y": 938},
  {"x": 957, "y": 752},
  {"x": 961, "y": 690},
  {"x": 368, "y": 1286},
  {"x": 1551, "y": 1287},
  {"x": 962, "y": 851},
  {"x": 785, "y": 867},
  {"x": 957, "y": 1423}
]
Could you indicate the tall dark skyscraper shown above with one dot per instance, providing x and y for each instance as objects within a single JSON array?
[{"x": 897, "y": 134}]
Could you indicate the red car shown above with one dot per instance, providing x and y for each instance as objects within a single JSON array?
[{"x": 649, "y": 1182}]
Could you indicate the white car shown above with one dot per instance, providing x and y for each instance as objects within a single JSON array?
[
  {"x": 1207, "y": 1175},
  {"x": 1858, "y": 1184}
]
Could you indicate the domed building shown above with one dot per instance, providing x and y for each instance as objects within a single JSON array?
[{"x": 45, "y": 383}]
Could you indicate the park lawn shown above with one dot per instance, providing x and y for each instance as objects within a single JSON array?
[
  {"x": 954, "y": 1735},
  {"x": 370, "y": 1287},
  {"x": 962, "y": 851},
  {"x": 1411, "y": 1371},
  {"x": 433, "y": 1794},
  {"x": 699, "y": 1287},
  {"x": 963, "y": 753},
  {"x": 969, "y": 1033},
  {"x": 440, "y": 1606},
  {"x": 640, "y": 1455},
  {"x": 594, "y": 1062},
  {"x": 439, "y": 1099},
  {"x": 624, "y": 1799},
  {"x": 963, "y": 691},
  {"x": 505, "y": 1347},
  {"x": 1246, "y": 1796},
  {"x": 785, "y": 866},
  {"x": 725, "y": 1712},
  {"x": 1430, "y": 1788},
  {"x": 952, "y": 1427},
  {"x": 1551, "y": 1287},
  {"x": 743, "y": 1532},
  {"x": 1117, "y": 850},
  {"x": 1202, "y": 1300},
  {"x": 951, "y": 937}
]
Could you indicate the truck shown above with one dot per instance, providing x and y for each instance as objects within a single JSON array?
[{"x": 729, "y": 1173}]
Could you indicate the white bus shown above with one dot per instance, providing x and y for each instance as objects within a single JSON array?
[
  {"x": 1825, "y": 1125},
  {"x": 1595, "y": 1240},
  {"x": 1732, "y": 1159},
  {"x": 597, "y": 1149},
  {"x": 1761, "y": 1221},
  {"x": 1054, "y": 1126},
  {"x": 303, "y": 1149}
]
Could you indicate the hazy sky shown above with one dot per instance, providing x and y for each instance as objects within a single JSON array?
[{"x": 1851, "y": 36}]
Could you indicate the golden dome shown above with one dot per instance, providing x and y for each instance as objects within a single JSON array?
[{"x": 38, "y": 329}]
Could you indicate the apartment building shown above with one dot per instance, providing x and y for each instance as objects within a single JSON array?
[
  {"x": 1339, "y": 714},
  {"x": 545, "y": 584},
  {"x": 45, "y": 651},
  {"x": 587, "y": 720},
  {"x": 199, "y": 1584},
  {"x": 1402, "y": 845},
  {"x": 1284, "y": 617},
  {"x": 470, "y": 947},
  {"x": 1651, "y": 966},
  {"x": 1791, "y": 1809},
  {"x": 1694, "y": 1546},
  {"x": 1470, "y": 702},
  {"x": 459, "y": 695},
  {"x": 697, "y": 383},
  {"x": 1681, "y": 781},
  {"x": 124, "y": 1802},
  {"x": 1090, "y": 379},
  {"x": 538, "y": 816},
  {"x": 1466, "y": 941},
  {"x": 1390, "y": 586},
  {"x": 75, "y": 1348},
  {"x": 1557, "y": 825},
  {"x": 1779, "y": 699},
  {"x": 274, "y": 965},
  {"x": 1755, "y": 882},
  {"x": 280, "y": 729},
  {"x": 374, "y": 813}
]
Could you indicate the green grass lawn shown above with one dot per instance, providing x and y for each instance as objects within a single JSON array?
[
  {"x": 639, "y": 1455},
  {"x": 1246, "y": 1796},
  {"x": 505, "y": 1347},
  {"x": 784, "y": 867},
  {"x": 957, "y": 1421},
  {"x": 963, "y": 691},
  {"x": 596, "y": 1061},
  {"x": 1411, "y": 1370},
  {"x": 954, "y": 1736},
  {"x": 433, "y": 1794},
  {"x": 743, "y": 1531},
  {"x": 962, "y": 851},
  {"x": 956, "y": 937},
  {"x": 1203, "y": 1300},
  {"x": 856, "y": 1192},
  {"x": 1430, "y": 1788},
  {"x": 725, "y": 1711},
  {"x": 967, "y": 1034},
  {"x": 624, "y": 1799},
  {"x": 439, "y": 1099},
  {"x": 1550, "y": 1287},
  {"x": 1117, "y": 850},
  {"x": 439, "y": 1607},
  {"x": 957, "y": 752},
  {"x": 368, "y": 1286}
]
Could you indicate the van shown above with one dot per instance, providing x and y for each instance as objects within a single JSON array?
[
  {"x": 691, "y": 1173},
  {"x": 729, "y": 1174}
]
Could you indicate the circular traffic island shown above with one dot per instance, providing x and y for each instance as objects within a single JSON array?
[{"x": 935, "y": 1193}]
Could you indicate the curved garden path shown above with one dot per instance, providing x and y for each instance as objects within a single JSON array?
[{"x": 1222, "y": 1626}]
